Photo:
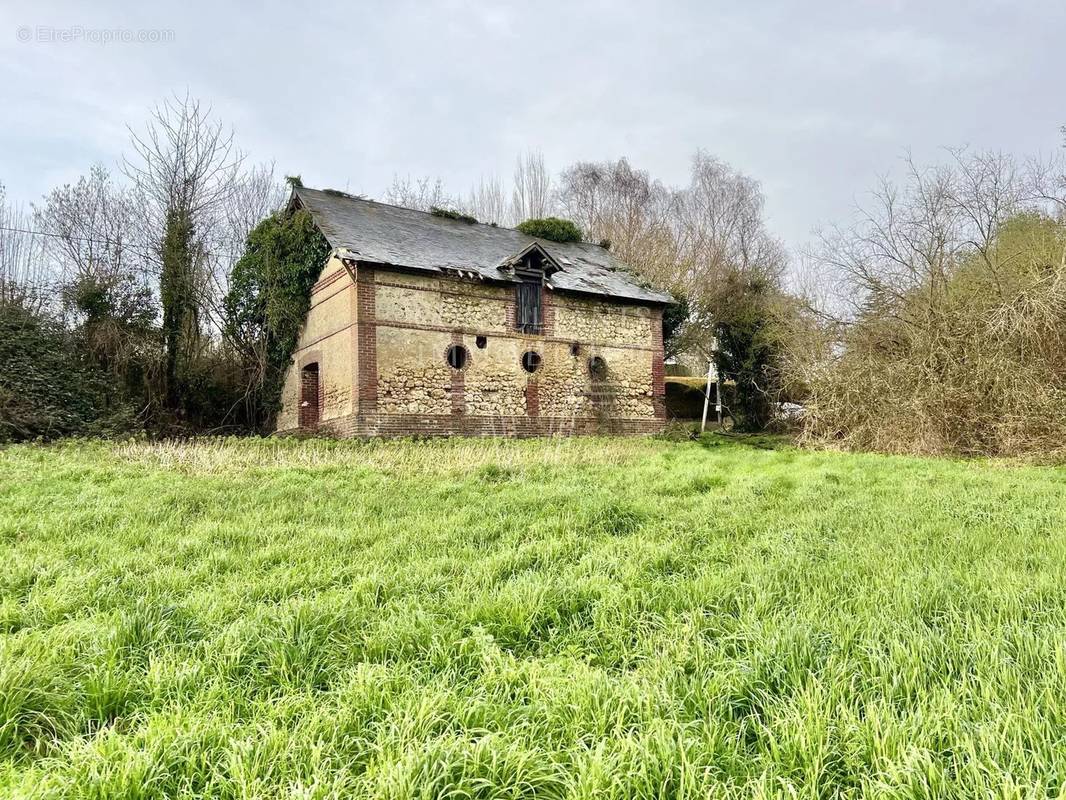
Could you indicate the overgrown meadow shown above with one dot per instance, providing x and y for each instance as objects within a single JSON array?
[{"x": 583, "y": 618}]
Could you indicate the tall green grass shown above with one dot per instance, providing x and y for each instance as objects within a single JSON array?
[{"x": 593, "y": 618}]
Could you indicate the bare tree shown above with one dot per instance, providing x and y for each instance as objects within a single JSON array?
[
  {"x": 486, "y": 203},
  {"x": 1047, "y": 179},
  {"x": 531, "y": 195},
  {"x": 93, "y": 232},
  {"x": 256, "y": 194},
  {"x": 719, "y": 224},
  {"x": 906, "y": 243},
  {"x": 421, "y": 194},
  {"x": 184, "y": 160},
  {"x": 955, "y": 331},
  {"x": 686, "y": 239},
  {"x": 184, "y": 171},
  {"x": 25, "y": 278},
  {"x": 627, "y": 210}
]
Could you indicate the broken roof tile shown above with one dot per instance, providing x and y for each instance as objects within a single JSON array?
[{"x": 417, "y": 240}]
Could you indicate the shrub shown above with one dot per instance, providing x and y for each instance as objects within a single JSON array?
[
  {"x": 116, "y": 330},
  {"x": 684, "y": 398},
  {"x": 675, "y": 327},
  {"x": 268, "y": 300},
  {"x": 749, "y": 350},
  {"x": 48, "y": 386},
  {"x": 971, "y": 359},
  {"x": 447, "y": 213},
  {"x": 553, "y": 229}
]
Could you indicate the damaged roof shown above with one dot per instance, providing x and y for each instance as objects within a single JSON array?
[{"x": 402, "y": 237}]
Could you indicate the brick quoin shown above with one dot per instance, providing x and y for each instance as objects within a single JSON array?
[
  {"x": 547, "y": 306},
  {"x": 368, "y": 341}
]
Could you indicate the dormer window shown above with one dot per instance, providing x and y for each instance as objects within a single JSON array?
[{"x": 531, "y": 267}]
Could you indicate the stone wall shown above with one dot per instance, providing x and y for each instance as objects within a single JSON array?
[
  {"x": 418, "y": 318},
  {"x": 408, "y": 322},
  {"x": 609, "y": 322},
  {"x": 409, "y": 299}
]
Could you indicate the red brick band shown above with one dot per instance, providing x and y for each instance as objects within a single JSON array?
[{"x": 532, "y": 398}]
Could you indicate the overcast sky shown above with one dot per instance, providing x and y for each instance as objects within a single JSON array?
[{"x": 814, "y": 99}]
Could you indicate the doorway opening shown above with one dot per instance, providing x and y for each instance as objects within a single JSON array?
[{"x": 310, "y": 408}]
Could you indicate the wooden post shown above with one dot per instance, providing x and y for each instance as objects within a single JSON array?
[
  {"x": 718, "y": 398},
  {"x": 707, "y": 399}
]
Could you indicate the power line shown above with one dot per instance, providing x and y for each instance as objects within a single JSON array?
[{"x": 106, "y": 242}]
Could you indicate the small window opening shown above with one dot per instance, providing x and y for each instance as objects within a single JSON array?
[
  {"x": 310, "y": 410},
  {"x": 575, "y": 349},
  {"x": 481, "y": 341},
  {"x": 598, "y": 368},
  {"x": 457, "y": 356},
  {"x": 530, "y": 361}
]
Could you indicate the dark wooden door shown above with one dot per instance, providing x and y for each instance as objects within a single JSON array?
[{"x": 310, "y": 408}]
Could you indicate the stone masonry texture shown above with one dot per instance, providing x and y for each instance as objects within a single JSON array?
[{"x": 381, "y": 340}]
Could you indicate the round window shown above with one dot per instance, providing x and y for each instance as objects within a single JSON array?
[
  {"x": 598, "y": 367},
  {"x": 457, "y": 356},
  {"x": 530, "y": 361}
]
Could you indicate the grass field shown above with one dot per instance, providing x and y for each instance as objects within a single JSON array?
[{"x": 590, "y": 618}]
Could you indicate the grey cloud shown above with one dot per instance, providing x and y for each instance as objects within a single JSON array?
[{"x": 813, "y": 99}]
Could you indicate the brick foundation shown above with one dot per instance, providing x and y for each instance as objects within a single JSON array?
[
  {"x": 400, "y": 425},
  {"x": 532, "y": 399}
]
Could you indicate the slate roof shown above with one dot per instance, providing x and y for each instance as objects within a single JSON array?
[{"x": 417, "y": 240}]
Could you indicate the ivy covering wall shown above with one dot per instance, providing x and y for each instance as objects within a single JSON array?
[{"x": 268, "y": 300}]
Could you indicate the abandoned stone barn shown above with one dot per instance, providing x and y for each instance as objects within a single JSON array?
[{"x": 422, "y": 324}]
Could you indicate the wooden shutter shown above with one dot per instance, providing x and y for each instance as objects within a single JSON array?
[{"x": 529, "y": 315}]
